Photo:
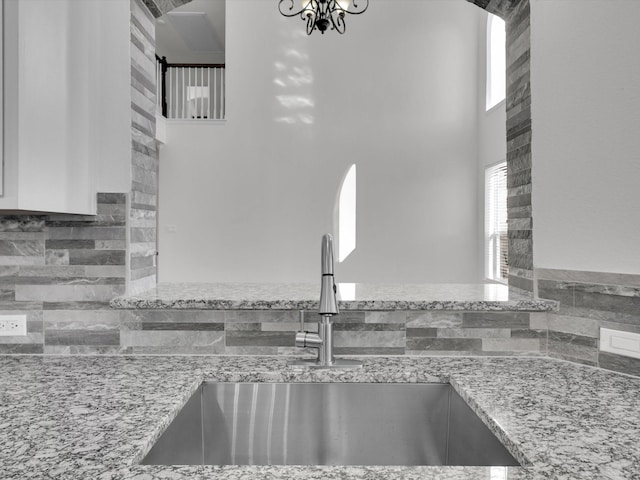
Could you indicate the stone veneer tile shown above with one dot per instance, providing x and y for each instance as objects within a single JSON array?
[
  {"x": 21, "y": 348},
  {"x": 251, "y": 350},
  {"x": 177, "y": 341},
  {"x": 619, "y": 363},
  {"x": 139, "y": 317},
  {"x": 23, "y": 248},
  {"x": 601, "y": 315},
  {"x": 586, "y": 327},
  {"x": 81, "y": 337},
  {"x": 271, "y": 316},
  {"x": 444, "y": 344},
  {"x": 73, "y": 305},
  {"x": 511, "y": 345},
  {"x": 575, "y": 352},
  {"x": 385, "y": 317},
  {"x": 96, "y": 257},
  {"x": 367, "y": 327},
  {"x": 620, "y": 326},
  {"x": 29, "y": 338},
  {"x": 529, "y": 333},
  {"x": 539, "y": 320},
  {"x": 83, "y": 350},
  {"x": 446, "y": 353},
  {"x": 572, "y": 359},
  {"x": 369, "y": 350},
  {"x": 559, "y": 291},
  {"x": 14, "y": 260},
  {"x": 433, "y": 319},
  {"x": 474, "y": 333},
  {"x": 422, "y": 332},
  {"x": 245, "y": 338},
  {"x": 184, "y": 326},
  {"x": 287, "y": 327},
  {"x": 297, "y": 352},
  {"x": 576, "y": 276},
  {"x": 496, "y": 319},
  {"x": 568, "y": 338},
  {"x": 67, "y": 293},
  {"x": 368, "y": 339},
  {"x": 600, "y": 301},
  {"x": 87, "y": 233}
]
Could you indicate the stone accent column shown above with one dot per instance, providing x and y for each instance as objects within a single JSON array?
[
  {"x": 519, "y": 148},
  {"x": 143, "y": 199}
]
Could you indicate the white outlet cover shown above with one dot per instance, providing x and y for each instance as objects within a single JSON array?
[
  {"x": 620, "y": 342},
  {"x": 13, "y": 325}
]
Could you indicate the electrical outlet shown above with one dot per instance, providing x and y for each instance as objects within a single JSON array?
[{"x": 13, "y": 325}]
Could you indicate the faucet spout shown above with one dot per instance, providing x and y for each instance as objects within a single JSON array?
[
  {"x": 326, "y": 254},
  {"x": 323, "y": 340},
  {"x": 328, "y": 299}
]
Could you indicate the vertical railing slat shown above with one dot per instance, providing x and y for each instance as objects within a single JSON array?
[
  {"x": 222, "y": 87},
  {"x": 201, "y": 89},
  {"x": 209, "y": 90},
  {"x": 215, "y": 94}
]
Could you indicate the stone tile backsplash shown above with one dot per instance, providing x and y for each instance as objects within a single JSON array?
[
  {"x": 61, "y": 271},
  {"x": 267, "y": 332},
  {"x": 588, "y": 301}
]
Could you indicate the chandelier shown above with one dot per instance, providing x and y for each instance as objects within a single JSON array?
[{"x": 322, "y": 14}]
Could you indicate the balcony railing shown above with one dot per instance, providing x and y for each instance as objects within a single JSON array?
[{"x": 190, "y": 91}]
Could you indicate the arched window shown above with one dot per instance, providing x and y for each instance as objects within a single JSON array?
[{"x": 496, "y": 61}]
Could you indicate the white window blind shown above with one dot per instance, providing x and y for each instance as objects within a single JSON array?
[{"x": 496, "y": 237}]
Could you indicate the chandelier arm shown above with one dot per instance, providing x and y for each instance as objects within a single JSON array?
[
  {"x": 356, "y": 9},
  {"x": 355, "y": 5},
  {"x": 286, "y": 8},
  {"x": 337, "y": 22},
  {"x": 311, "y": 23}
]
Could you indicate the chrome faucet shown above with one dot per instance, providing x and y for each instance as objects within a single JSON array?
[{"x": 328, "y": 308}]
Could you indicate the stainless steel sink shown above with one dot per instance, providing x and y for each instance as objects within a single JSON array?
[{"x": 327, "y": 424}]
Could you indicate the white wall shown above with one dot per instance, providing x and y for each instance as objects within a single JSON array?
[
  {"x": 585, "y": 121},
  {"x": 112, "y": 99},
  {"x": 250, "y": 198},
  {"x": 68, "y": 109},
  {"x": 492, "y": 133}
]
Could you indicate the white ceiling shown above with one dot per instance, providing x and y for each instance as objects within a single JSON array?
[{"x": 193, "y": 33}]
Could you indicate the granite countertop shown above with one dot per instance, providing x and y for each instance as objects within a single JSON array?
[
  {"x": 352, "y": 296},
  {"x": 96, "y": 417}
]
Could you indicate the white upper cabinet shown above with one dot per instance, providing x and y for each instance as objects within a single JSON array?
[{"x": 62, "y": 123}]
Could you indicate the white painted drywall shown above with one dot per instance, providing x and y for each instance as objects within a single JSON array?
[
  {"x": 585, "y": 118},
  {"x": 492, "y": 134},
  {"x": 111, "y": 101},
  {"x": 68, "y": 117},
  {"x": 248, "y": 200}
]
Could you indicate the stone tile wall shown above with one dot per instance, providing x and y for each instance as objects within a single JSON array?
[
  {"x": 144, "y": 151},
  {"x": 589, "y": 301},
  {"x": 61, "y": 271},
  {"x": 520, "y": 222},
  {"x": 259, "y": 332}
]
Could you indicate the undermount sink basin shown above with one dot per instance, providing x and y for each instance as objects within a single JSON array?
[{"x": 327, "y": 424}]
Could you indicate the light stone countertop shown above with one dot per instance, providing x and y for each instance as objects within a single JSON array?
[
  {"x": 352, "y": 296},
  {"x": 95, "y": 417}
]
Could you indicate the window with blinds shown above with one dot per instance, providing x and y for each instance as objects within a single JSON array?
[{"x": 496, "y": 254}]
